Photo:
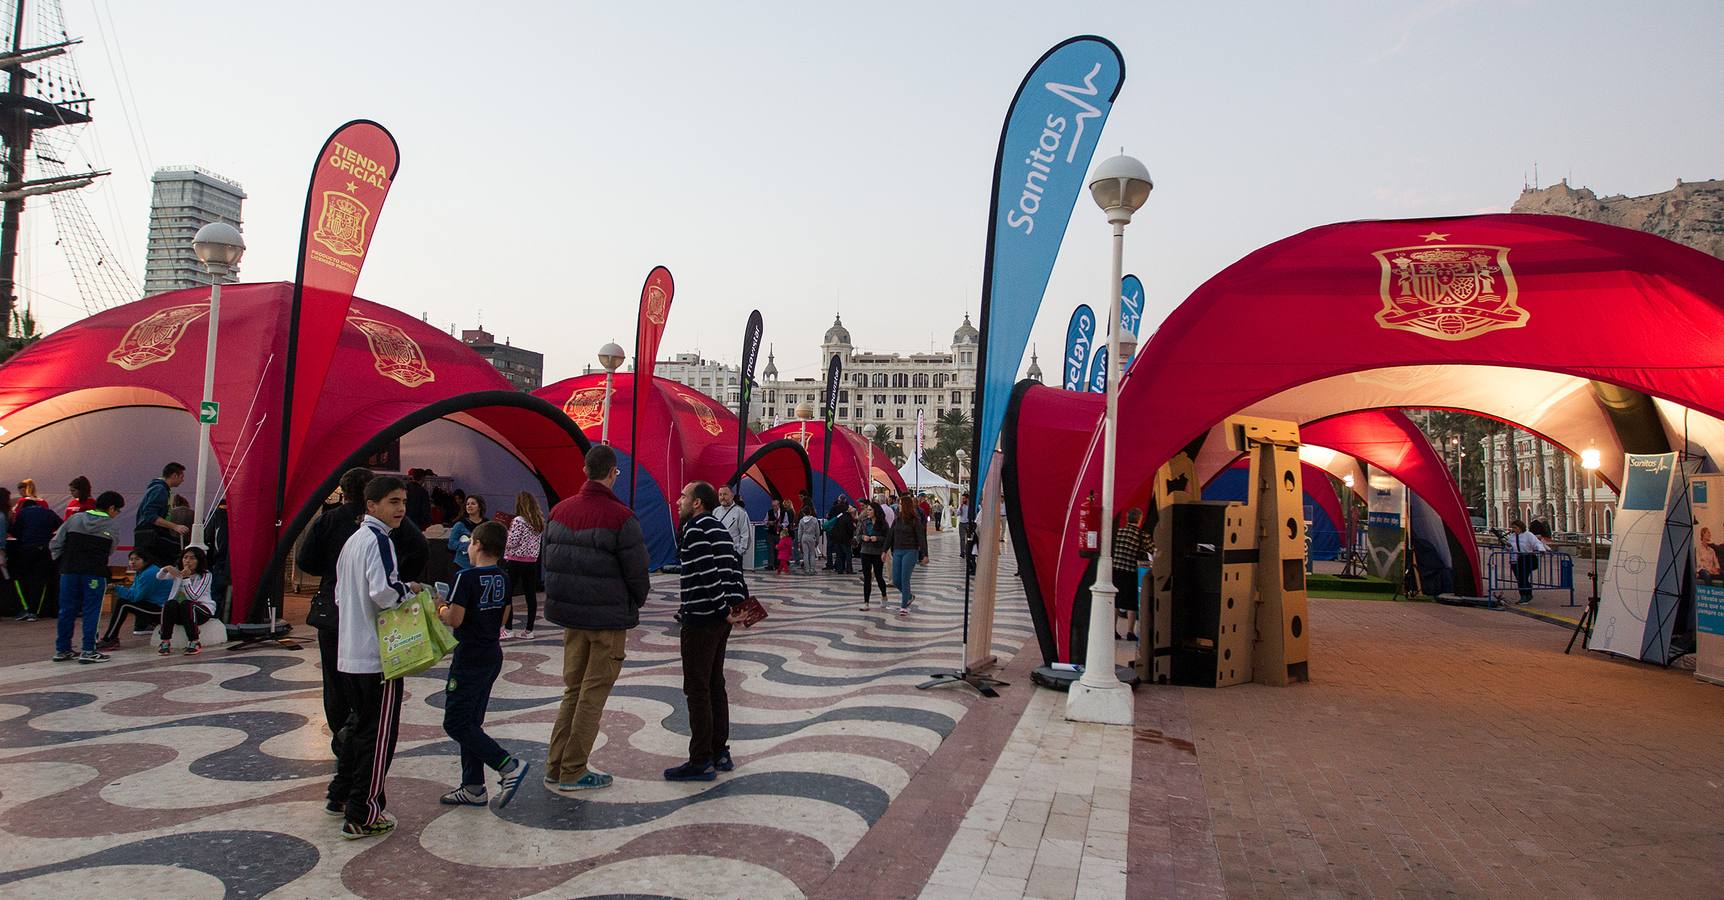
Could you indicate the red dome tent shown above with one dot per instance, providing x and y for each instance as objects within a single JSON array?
[
  {"x": 850, "y": 459},
  {"x": 390, "y": 374},
  {"x": 1478, "y": 313},
  {"x": 684, "y": 436}
]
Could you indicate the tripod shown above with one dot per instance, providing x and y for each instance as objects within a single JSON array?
[
  {"x": 983, "y": 684},
  {"x": 1587, "y": 619}
]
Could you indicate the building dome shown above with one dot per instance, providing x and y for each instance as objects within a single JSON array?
[
  {"x": 966, "y": 333},
  {"x": 838, "y": 334},
  {"x": 771, "y": 373},
  {"x": 1035, "y": 371}
]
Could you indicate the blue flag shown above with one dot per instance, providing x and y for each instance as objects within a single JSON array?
[
  {"x": 1080, "y": 338},
  {"x": 1131, "y": 304},
  {"x": 1098, "y": 371},
  {"x": 1042, "y": 164}
]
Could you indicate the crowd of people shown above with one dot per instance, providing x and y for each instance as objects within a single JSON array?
[
  {"x": 885, "y": 533},
  {"x": 56, "y": 562}
]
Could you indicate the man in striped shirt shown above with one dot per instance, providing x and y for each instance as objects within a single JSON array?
[{"x": 712, "y": 588}]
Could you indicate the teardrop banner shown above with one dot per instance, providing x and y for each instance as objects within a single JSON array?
[
  {"x": 349, "y": 182},
  {"x": 834, "y": 375},
  {"x": 1080, "y": 339},
  {"x": 751, "y": 335},
  {"x": 656, "y": 294}
]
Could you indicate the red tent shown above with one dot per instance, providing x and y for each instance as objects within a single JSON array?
[
  {"x": 391, "y": 373},
  {"x": 1514, "y": 316},
  {"x": 684, "y": 436},
  {"x": 850, "y": 457}
]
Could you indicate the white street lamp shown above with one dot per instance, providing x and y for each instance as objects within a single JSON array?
[
  {"x": 963, "y": 488},
  {"x": 1120, "y": 186},
  {"x": 610, "y": 356},
  {"x": 1590, "y": 461},
  {"x": 219, "y": 247}
]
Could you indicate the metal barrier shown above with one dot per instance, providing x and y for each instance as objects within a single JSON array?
[{"x": 1554, "y": 572}]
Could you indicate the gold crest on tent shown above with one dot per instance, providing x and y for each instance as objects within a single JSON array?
[
  {"x": 708, "y": 419},
  {"x": 586, "y": 406},
  {"x": 341, "y": 224},
  {"x": 656, "y": 303},
  {"x": 155, "y": 337},
  {"x": 1451, "y": 292},
  {"x": 396, "y": 355}
]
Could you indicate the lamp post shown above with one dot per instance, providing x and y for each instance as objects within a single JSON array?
[
  {"x": 1120, "y": 186},
  {"x": 1589, "y": 460},
  {"x": 963, "y": 480},
  {"x": 610, "y": 356},
  {"x": 1349, "y": 569},
  {"x": 219, "y": 247}
]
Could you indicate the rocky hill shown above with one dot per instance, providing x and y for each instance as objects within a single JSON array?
[{"x": 1692, "y": 213}]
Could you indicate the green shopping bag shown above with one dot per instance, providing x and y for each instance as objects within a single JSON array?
[
  {"x": 404, "y": 638},
  {"x": 441, "y": 637}
]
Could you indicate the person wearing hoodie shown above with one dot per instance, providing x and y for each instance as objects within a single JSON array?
[
  {"x": 32, "y": 529},
  {"x": 142, "y": 600},
  {"x": 153, "y": 533},
  {"x": 81, "y": 547}
]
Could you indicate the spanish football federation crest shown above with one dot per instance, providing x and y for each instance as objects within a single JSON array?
[
  {"x": 1450, "y": 292},
  {"x": 341, "y": 224},
  {"x": 156, "y": 337},
  {"x": 656, "y": 305},
  {"x": 586, "y": 407},
  {"x": 396, "y": 355},
  {"x": 708, "y": 419}
]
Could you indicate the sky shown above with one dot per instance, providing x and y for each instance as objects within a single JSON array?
[{"x": 804, "y": 159}]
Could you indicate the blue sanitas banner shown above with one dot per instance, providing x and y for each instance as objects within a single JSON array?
[
  {"x": 1080, "y": 337},
  {"x": 1042, "y": 164},
  {"x": 1131, "y": 304},
  {"x": 1098, "y": 371}
]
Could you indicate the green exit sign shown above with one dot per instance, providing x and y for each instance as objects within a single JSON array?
[{"x": 209, "y": 412}]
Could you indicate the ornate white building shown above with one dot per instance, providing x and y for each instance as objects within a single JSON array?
[
  {"x": 878, "y": 388},
  {"x": 1560, "y": 498}
]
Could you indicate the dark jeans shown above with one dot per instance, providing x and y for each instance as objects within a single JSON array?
[
  {"x": 183, "y": 613},
  {"x": 876, "y": 564},
  {"x": 368, "y": 751},
  {"x": 464, "y": 700},
  {"x": 337, "y": 706},
  {"x": 703, "y": 685},
  {"x": 525, "y": 577},
  {"x": 1524, "y": 566},
  {"x": 841, "y": 558},
  {"x": 80, "y": 597}
]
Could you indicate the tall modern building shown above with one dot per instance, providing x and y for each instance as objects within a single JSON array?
[
  {"x": 185, "y": 199},
  {"x": 524, "y": 368}
]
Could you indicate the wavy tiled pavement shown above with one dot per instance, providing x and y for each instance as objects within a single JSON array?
[{"x": 204, "y": 776}]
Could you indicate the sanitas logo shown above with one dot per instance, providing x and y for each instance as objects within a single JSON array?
[
  {"x": 1052, "y": 138},
  {"x": 1655, "y": 465}
]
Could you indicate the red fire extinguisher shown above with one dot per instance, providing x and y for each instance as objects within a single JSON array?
[{"x": 1089, "y": 527}]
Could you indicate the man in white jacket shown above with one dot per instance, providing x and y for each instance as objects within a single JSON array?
[
  {"x": 367, "y": 581},
  {"x": 734, "y": 518}
]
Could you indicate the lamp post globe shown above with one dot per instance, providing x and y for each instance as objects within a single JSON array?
[
  {"x": 611, "y": 357},
  {"x": 1120, "y": 185},
  {"x": 219, "y": 246}
]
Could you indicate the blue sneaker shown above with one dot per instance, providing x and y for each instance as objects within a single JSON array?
[
  {"x": 510, "y": 781},
  {"x": 592, "y": 780}
]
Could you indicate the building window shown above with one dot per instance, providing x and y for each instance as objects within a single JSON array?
[
  {"x": 900, "y": 399},
  {"x": 940, "y": 380},
  {"x": 921, "y": 380},
  {"x": 843, "y": 396},
  {"x": 957, "y": 397},
  {"x": 968, "y": 357},
  {"x": 879, "y": 399},
  {"x": 860, "y": 380},
  {"x": 900, "y": 432},
  {"x": 898, "y": 414},
  {"x": 843, "y": 412},
  {"x": 921, "y": 399},
  {"x": 879, "y": 380}
]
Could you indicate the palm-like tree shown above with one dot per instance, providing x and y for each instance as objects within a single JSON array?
[
  {"x": 882, "y": 438},
  {"x": 952, "y": 432}
]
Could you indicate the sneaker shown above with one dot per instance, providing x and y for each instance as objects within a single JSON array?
[
  {"x": 64, "y": 656},
  {"x": 140, "y": 632},
  {"x": 864, "y": 607},
  {"x": 108, "y": 644},
  {"x": 194, "y": 648},
  {"x": 903, "y": 612},
  {"x": 527, "y": 635},
  {"x": 509, "y": 781},
  {"x": 505, "y": 635},
  {"x": 335, "y": 809},
  {"x": 593, "y": 780},
  {"x": 30, "y": 617},
  {"x": 164, "y": 649},
  {"x": 463, "y": 796},
  {"x": 93, "y": 656},
  {"x": 1131, "y": 635},
  {"x": 723, "y": 762},
  {"x": 353, "y": 832},
  {"x": 691, "y": 771}
]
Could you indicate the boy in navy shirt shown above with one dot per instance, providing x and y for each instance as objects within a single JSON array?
[{"x": 477, "y": 602}]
